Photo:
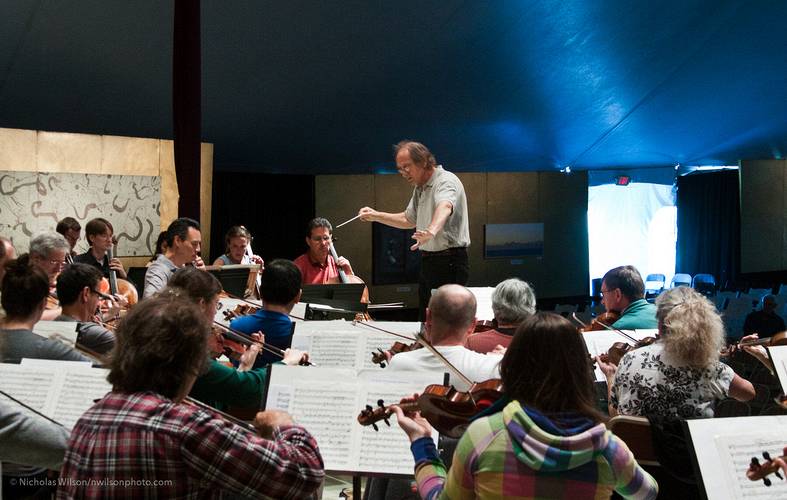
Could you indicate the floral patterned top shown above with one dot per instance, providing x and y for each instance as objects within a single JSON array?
[{"x": 647, "y": 384}]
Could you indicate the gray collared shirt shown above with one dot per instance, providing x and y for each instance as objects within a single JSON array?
[
  {"x": 442, "y": 186},
  {"x": 157, "y": 276}
]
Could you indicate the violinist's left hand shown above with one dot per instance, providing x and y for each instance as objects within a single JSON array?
[
  {"x": 609, "y": 369},
  {"x": 421, "y": 237},
  {"x": 199, "y": 263},
  {"x": 757, "y": 351},
  {"x": 117, "y": 266},
  {"x": 248, "y": 358},
  {"x": 414, "y": 425}
]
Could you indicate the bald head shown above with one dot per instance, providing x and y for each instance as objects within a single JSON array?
[{"x": 451, "y": 313}]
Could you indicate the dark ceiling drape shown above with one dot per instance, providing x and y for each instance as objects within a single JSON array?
[
  {"x": 709, "y": 225},
  {"x": 186, "y": 104}
]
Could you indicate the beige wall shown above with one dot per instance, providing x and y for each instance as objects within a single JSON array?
[
  {"x": 763, "y": 185},
  {"x": 557, "y": 200},
  {"x": 39, "y": 151}
]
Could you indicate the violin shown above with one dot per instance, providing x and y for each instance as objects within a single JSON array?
[
  {"x": 232, "y": 335},
  {"x": 381, "y": 357},
  {"x": 603, "y": 321},
  {"x": 759, "y": 470},
  {"x": 619, "y": 349},
  {"x": 446, "y": 409},
  {"x": 240, "y": 310}
]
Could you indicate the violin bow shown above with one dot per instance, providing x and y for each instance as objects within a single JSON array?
[
  {"x": 241, "y": 337},
  {"x": 235, "y": 420},
  {"x": 575, "y": 318},
  {"x": 421, "y": 340},
  {"x": 23, "y": 405},
  {"x": 619, "y": 332}
]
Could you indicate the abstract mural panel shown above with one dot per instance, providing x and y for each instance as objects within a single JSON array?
[{"x": 33, "y": 202}]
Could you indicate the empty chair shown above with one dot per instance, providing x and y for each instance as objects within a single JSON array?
[
  {"x": 654, "y": 284},
  {"x": 681, "y": 279},
  {"x": 635, "y": 432},
  {"x": 705, "y": 284}
]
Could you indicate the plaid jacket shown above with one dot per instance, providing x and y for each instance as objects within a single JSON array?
[
  {"x": 144, "y": 445},
  {"x": 509, "y": 455}
]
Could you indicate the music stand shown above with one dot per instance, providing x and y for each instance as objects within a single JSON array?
[{"x": 234, "y": 279}]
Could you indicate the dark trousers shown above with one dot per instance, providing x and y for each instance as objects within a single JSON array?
[{"x": 438, "y": 269}]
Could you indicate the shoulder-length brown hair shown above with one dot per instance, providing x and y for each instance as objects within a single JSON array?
[
  {"x": 160, "y": 343},
  {"x": 546, "y": 367}
]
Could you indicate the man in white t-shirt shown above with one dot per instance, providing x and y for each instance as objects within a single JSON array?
[{"x": 450, "y": 318}]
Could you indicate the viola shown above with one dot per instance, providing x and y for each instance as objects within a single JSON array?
[
  {"x": 759, "y": 470},
  {"x": 241, "y": 338},
  {"x": 381, "y": 357},
  {"x": 446, "y": 409},
  {"x": 619, "y": 349}
]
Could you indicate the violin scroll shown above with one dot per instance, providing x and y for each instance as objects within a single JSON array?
[{"x": 759, "y": 470}]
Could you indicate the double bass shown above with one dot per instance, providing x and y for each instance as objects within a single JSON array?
[{"x": 344, "y": 278}]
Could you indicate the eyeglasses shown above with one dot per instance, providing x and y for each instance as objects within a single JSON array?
[
  {"x": 318, "y": 239},
  {"x": 60, "y": 263},
  {"x": 604, "y": 292}
]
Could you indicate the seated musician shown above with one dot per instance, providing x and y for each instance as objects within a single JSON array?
[
  {"x": 512, "y": 302},
  {"x": 71, "y": 229},
  {"x": 450, "y": 318},
  {"x": 220, "y": 385},
  {"x": 623, "y": 290},
  {"x": 99, "y": 235},
  {"x": 237, "y": 239},
  {"x": 144, "y": 430},
  {"x": 280, "y": 290},
  {"x": 680, "y": 375},
  {"x": 48, "y": 253},
  {"x": 549, "y": 441},
  {"x": 25, "y": 289},
  {"x": 318, "y": 266},
  {"x": 7, "y": 253},
  {"x": 30, "y": 441},
  {"x": 183, "y": 245},
  {"x": 77, "y": 290}
]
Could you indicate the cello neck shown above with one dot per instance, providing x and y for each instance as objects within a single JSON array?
[{"x": 342, "y": 275}]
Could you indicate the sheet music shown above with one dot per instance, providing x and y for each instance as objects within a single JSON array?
[
  {"x": 778, "y": 356},
  {"x": 724, "y": 448},
  {"x": 327, "y": 401},
  {"x": 483, "y": 297},
  {"x": 60, "y": 390},
  {"x": 346, "y": 344},
  {"x": 66, "y": 329},
  {"x": 599, "y": 342},
  {"x": 736, "y": 453}
]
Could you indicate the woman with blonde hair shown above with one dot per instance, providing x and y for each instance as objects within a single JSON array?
[{"x": 680, "y": 374}]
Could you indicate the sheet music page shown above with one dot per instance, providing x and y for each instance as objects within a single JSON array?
[
  {"x": 66, "y": 329},
  {"x": 724, "y": 448},
  {"x": 35, "y": 388},
  {"x": 736, "y": 453},
  {"x": 80, "y": 389},
  {"x": 388, "y": 449},
  {"x": 483, "y": 297},
  {"x": 327, "y": 401},
  {"x": 299, "y": 311},
  {"x": 47, "y": 363},
  {"x": 599, "y": 342},
  {"x": 778, "y": 355}
]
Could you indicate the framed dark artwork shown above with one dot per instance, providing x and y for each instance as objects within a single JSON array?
[{"x": 394, "y": 262}]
